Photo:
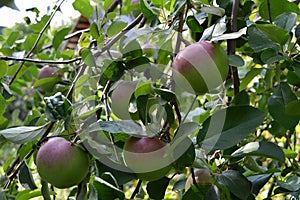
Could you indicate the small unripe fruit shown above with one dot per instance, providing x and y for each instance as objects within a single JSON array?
[
  {"x": 61, "y": 163},
  {"x": 120, "y": 98},
  {"x": 200, "y": 67},
  {"x": 202, "y": 177},
  {"x": 147, "y": 157}
]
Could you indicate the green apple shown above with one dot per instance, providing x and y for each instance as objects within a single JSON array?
[{"x": 202, "y": 177}]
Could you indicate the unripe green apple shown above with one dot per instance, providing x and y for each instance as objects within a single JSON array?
[
  {"x": 61, "y": 163},
  {"x": 200, "y": 67},
  {"x": 147, "y": 157},
  {"x": 202, "y": 177},
  {"x": 120, "y": 98}
]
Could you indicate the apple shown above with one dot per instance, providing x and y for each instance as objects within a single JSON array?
[
  {"x": 48, "y": 72},
  {"x": 120, "y": 98},
  {"x": 202, "y": 177},
  {"x": 149, "y": 49},
  {"x": 200, "y": 67},
  {"x": 148, "y": 157},
  {"x": 62, "y": 163}
]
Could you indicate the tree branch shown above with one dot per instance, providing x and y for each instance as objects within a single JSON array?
[
  {"x": 123, "y": 32},
  {"x": 36, "y": 42},
  {"x": 232, "y": 46},
  {"x": 136, "y": 190},
  {"x": 40, "y": 61},
  {"x": 269, "y": 11}
]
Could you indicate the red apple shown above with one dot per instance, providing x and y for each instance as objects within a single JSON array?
[
  {"x": 147, "y": 157},
  {"x": 202, "y": 177},
  {"x": 62, "y": 163},
  {"x": 48, "y": 72},
  {"x": 200, "y": 67}
]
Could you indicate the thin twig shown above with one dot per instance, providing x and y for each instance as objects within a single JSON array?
[
  {"x": 269, "y": 11},
  {"x": 104, "y": 99},
  {"x": 123, "y": 32},
  {"x": 36, "y": 42},
  {"x": 232, "y": 46},
  {"x": 40, "y": 61},
  {"x": 137, "y": 189}
]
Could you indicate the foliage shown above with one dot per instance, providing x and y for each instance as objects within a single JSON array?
[{"x": 246, "y": 132}]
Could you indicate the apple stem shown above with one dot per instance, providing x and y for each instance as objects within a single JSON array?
[{"x": 194, "y": 177}]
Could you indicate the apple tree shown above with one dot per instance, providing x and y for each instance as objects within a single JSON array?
[{"x": 161, "y": 99}]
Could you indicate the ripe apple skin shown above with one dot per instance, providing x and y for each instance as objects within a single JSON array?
[
  {"x": 147, "y": 157},
  {"x": 200, "y": 67},
  {"x": 47, "y": 72},
  {"x": 202, "y": 177},
  {"x": 61, "y": 163}
]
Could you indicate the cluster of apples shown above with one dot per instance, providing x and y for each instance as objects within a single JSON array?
[{"x": 201, "y": 67}]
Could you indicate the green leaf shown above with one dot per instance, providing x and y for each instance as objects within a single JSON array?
[
  {"x": 3, "y": 68},
  {"x": 131, "y": 50},
  {"x": 144, "y": 87},
  {"x": 270, "y": 56},
  {"x": 258, "y": 181},
  {"x": 290, "y": 154},
  {"x": 123, "y": 126},
  {"x": 156, "y": 189},
  {"x": 186, "y": 158},
  {"x": 2, "y": 105},
  {"x": 141, "y": 62},
  {"x": 59, "y": 37},
  {"x": 249, "y": 77},
  {"x": 277, "y": 104},
  {"x": 94, "y": 30},
  {"x": 28, "y": 194},
  {"x": 165, "y": 52},
  {"x": 84, "y": 7},
  {"x": 106, "y": 190},
  {"x": 258, "y": 40},
  {"x": 23, "y": 134},
  {"x": 265, "y": 149},
  {"x": 45, "y": 81},
  {"x": 234, "y": 181},
  {"x": 235, "y": 60},
  {"x": 115, "y": 27},
  {"x": 107, "y": 4},
  {"x": 286, "y": 21},
  {"x": 293, "y": 108},
  {"x": 80, "y": 83},
  {"x": 241, "y": 99},
  {"x": 12, "y": 38},
  {"x": 165, "y": 94},
  {"x": 228, "y": 127},
  {"x": 58, "y": 107},
  {"x": 277, "y": 7},
  {"x": 113, "y": 72},
  {"x": 26, "y": 178},
  {"x": 146, "y": 9},
  {"x": 87, "y": 57},
  {"x": 2, "y": 195},
  {"x": 275, "y": 33},
  {"x": 193, "y": 24},
  {"x": 292, "y": 183},
  {"x": 213, "y": 10}
]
